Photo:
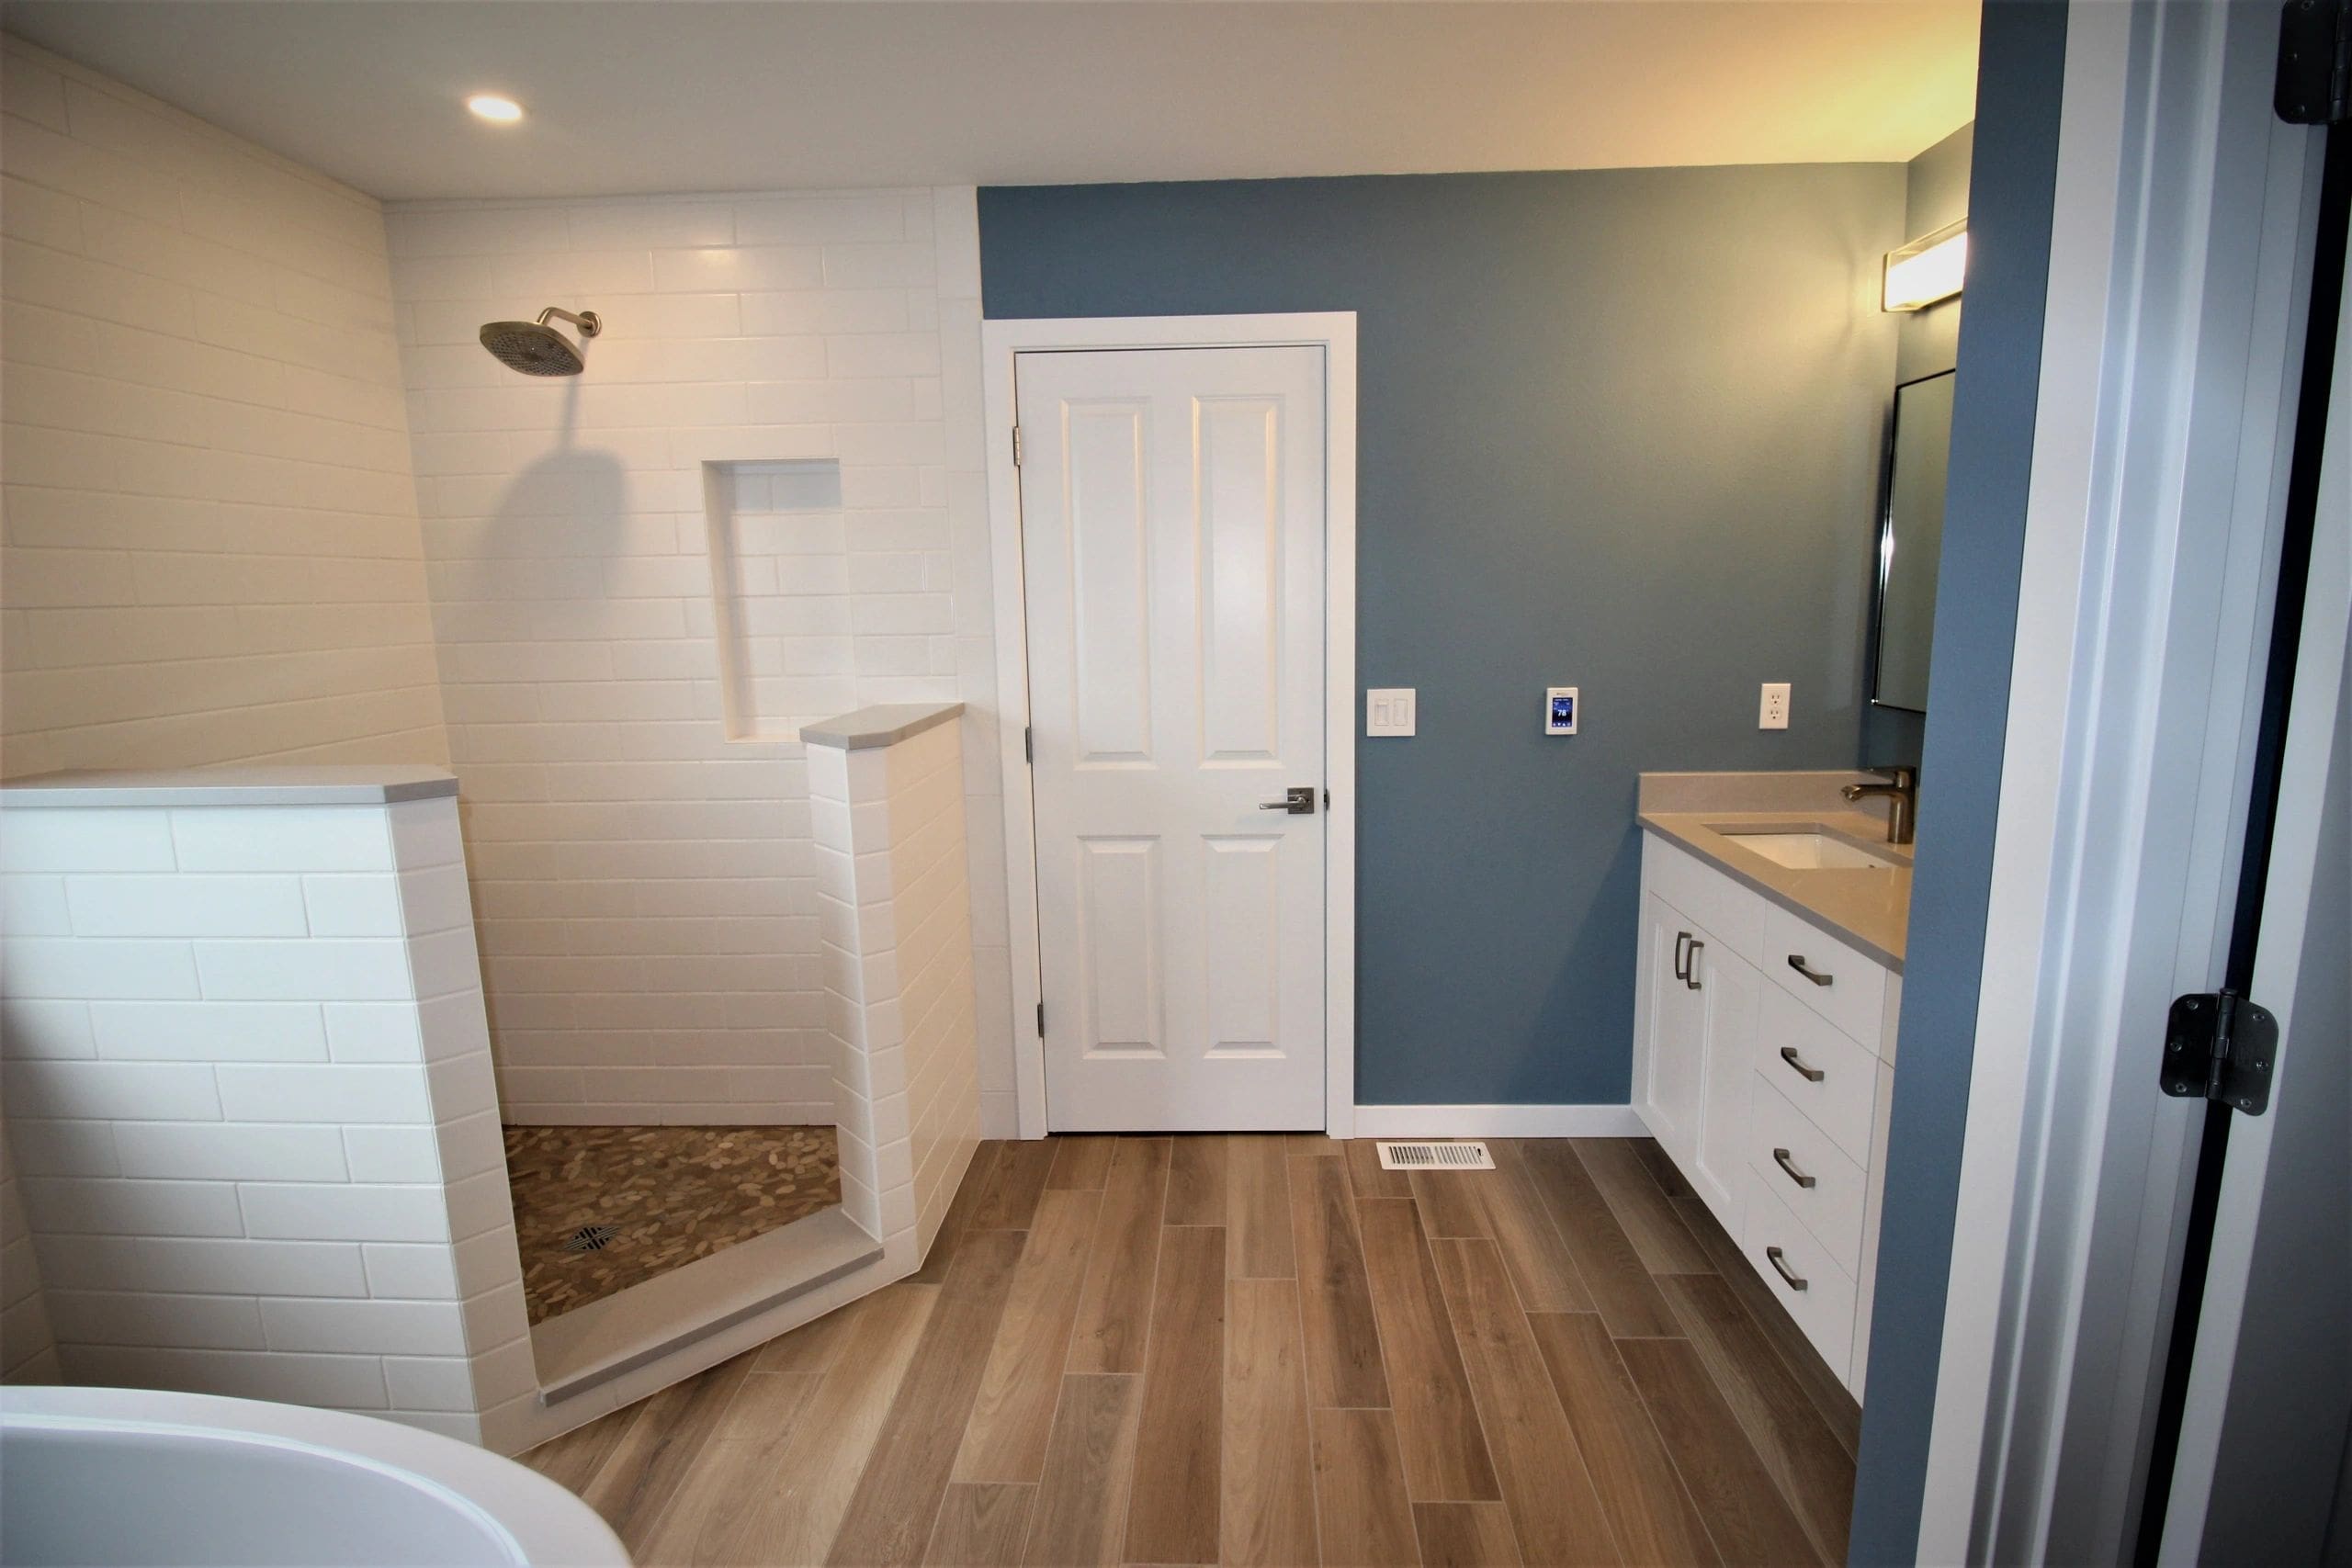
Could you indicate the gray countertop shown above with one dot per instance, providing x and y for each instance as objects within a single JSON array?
[
  {"x": 885, "y": 724},
  {"x": 1870, "y": 908},
  {"x": 301, "y": 783}
]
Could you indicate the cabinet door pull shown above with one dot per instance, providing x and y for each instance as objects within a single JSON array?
[
  {"x": 1776, "y": 1259},
  {"x": 1797, "y": 962},
  {"x": 1810, "y": 1075},
  {"x": 1781, "y": 1159},
  {"x": 1691, "y": 979},
  {"x": 1681, "y": 958}
]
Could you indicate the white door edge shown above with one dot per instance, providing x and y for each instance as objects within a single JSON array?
[
  {"x": 1335, "y": 332},
  {"x": 2073, "y": 1182},
  {"x": 2305, "y": 781}
]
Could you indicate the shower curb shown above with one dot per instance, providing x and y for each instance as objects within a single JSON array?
[{"x": 593, "y": 1345}]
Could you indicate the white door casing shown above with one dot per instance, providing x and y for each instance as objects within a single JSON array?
[
  {"x": 2273, "y": 1353},
  {"x": 2162, "y": 419},
  {"x": 1173, "y": 519}
]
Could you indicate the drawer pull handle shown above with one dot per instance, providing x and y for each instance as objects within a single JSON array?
[
  {"x": 1779, "y": 1266},
  {"x": 1691, "y": 979},
  {"x": 1681, "y": 956},
  {"x": 1810, "y": 1075},
  {"x": 1781, "y": 1159},
  {"x": 1797, "y": 962}
]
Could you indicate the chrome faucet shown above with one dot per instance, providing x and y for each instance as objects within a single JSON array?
[{"x": 1901, "y": 791}]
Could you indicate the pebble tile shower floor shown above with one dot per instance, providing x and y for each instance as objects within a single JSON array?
[{"x": 667, "y": 1196}]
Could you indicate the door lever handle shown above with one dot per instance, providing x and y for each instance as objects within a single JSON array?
[{"x": 1299, "y": 800}]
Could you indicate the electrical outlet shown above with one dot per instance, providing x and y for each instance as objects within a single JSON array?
[
  {"x": 1388, "y": 710},
  {"x": 1773, "y": 711}
]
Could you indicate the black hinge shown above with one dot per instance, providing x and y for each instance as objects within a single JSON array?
[
  {"x": 1041, "y": 1020},
  {"x": 1028, "y": 744},
  {"x": 2314, "y": 86},
  {"x": 2221, "y": 1047}
]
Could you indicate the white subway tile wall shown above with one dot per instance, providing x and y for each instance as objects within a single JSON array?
[
  {"x": 210, "y": 543},
  {"x": 257, "y": 1156},
  {"x": 246, "y": 1054},
  {"x": 795, "y": 378},
  {"x": 930, "y": 923},
  {"x": 893, "y": 914}
]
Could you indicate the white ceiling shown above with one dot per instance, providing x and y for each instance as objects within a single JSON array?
[{"x": 624, "y": 95}]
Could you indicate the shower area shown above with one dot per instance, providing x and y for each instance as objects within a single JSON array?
[{"x": 700, "y": 503}]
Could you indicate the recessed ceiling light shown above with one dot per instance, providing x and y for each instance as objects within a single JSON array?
[{"x": 489, "y": 106}]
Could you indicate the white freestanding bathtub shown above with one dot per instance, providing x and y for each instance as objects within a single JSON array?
[{"x": 128, "y": 1476}]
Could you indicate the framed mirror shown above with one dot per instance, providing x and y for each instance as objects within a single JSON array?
[{"x": 1910, "y": 541}]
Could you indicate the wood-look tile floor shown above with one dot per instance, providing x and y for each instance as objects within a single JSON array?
[{"x": 1263, "y": 1349}]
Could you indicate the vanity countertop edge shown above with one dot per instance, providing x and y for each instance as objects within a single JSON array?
[{"x": 1869, "y": 908}]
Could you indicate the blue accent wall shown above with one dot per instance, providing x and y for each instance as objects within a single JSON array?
[
  {"x": 2021, "y": 66},
  {"x": 1619, "y": 430}
]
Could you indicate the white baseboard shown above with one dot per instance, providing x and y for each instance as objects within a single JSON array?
[{"x": 1499, "y": 1121}]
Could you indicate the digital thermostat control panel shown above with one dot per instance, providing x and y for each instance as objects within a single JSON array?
[{"x": 1560, "y": 710}]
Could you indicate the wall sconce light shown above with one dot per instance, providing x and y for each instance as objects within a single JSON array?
[{"x": 1927, "y": 269}]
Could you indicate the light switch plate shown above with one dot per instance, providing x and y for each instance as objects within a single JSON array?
[
  {"x": 1772, "y": 708},
  {"x": 1559, "y": 710},
  {"x": 1388, "y": 710}
]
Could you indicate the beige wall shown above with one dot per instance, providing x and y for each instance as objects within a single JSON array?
[{"x": 211, "y": 550}]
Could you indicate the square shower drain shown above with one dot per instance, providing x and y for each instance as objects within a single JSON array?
[
  {"x": 590, "y": 1238},
  {"x": 1435, "y": 1156}
]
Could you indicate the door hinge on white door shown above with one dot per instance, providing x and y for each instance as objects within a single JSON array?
[
  {"x": 2219, "y": 1046},
  {"x": 2315, "y": 80},
  {"x": 1041, "y": 1020},
  {"x": 1016, "y": 445},
  {"x": 1028, "y": 744}
]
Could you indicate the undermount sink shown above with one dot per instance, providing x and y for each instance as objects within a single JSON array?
[{"x": 1809, "y": 850}]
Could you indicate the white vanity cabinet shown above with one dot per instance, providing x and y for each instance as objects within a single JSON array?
[{"x": 1763, "y": 1063}]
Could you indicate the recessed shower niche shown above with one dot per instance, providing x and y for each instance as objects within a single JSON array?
[
  {"x": 832, "y": 590},
  {"x": 780, "y": 576}
]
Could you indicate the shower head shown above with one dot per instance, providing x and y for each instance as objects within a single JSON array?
[{"x": 537, "y": 349}]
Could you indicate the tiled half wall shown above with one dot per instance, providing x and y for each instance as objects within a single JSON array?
[
  {"x": 893, "y": 908},
  {"x": 250, "y": 1104}
]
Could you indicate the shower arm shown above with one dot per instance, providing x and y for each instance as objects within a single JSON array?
[{"x": 585, "y": 321}]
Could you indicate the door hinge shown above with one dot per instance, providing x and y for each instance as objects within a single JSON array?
[
  {"x": 1028, "y": 744},
  {"x": 2314, "y": 83},
  {"x": 1327, "y": 800},
  {"x": 1041, "y": 1020},
  {"x": 1016, "y": 445},
  {"x": 2220, "y": 1046}
]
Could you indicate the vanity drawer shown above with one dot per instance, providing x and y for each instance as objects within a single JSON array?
[
  {"x": 1838, "y": 980},
  {"x": 1824, "y": 1306},
  {"x": 1789, "y": 1153},
  {"x": 1792, "y": 1044}
]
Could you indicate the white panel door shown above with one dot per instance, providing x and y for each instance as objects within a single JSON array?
[{"x": 1172, "y": 513}]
